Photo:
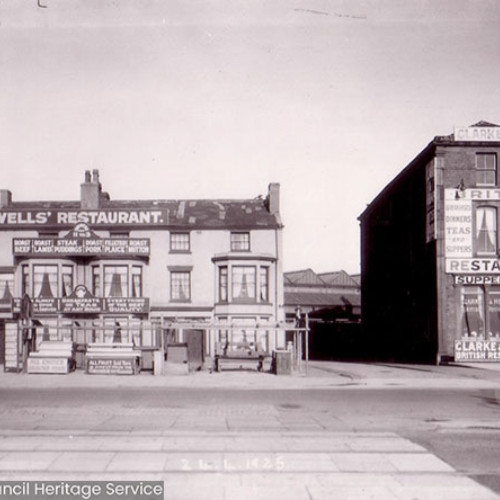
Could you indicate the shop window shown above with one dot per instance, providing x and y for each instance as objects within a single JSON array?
[
  {"x": 67, "y": 280},
  {"x": 136, "y": 281},
  {"x": 116, "y": 281},
  {"x": 480, "y": 312},
  {"x": 243, "y": 283},
  {"x": 486, "y": 169},
  {"x": 180, "y": 242},
  {"x": 473, "y": 312},
  {"x": 45, "y": 281},
  {"x": 6, "y": 287},
  {"x": 264, "y": 284},
  {"x": 96, "y": 281},
  {"x": 223, "y": 284},
  {"x": 25, "y": 281},
  {"x": 494, "y": 313},
  {"x": 180, "y": 286},
  {"x": 486, "y": 231},
  {"x": 240, "y": 242}
]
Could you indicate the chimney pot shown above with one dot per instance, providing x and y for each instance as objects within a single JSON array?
[
  {"x": 274, "y": 198},
  {"x": 5, "y": 198}
]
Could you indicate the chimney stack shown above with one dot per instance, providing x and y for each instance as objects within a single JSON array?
[
  {"x": 274, "y": 198},
  {"x": 91, "y": 191},
  {"x": 5, "y": 198}
]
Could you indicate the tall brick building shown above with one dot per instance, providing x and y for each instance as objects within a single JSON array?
[{"x": 430, "y": 254}]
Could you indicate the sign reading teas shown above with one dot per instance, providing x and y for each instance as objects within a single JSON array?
[{"x": 92, "y": 217}]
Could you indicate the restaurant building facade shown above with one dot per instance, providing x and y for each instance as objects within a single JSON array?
[
  {"x": 141, "y": 272},
  {"x": 430, "y": 248}
]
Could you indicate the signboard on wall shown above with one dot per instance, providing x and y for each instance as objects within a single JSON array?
[
  {"x": 69, "y": 247},
  {"x": 471, "y": 349},
  {"x": 96, "y": 218},
  {"x": 86, "y": 305},
  {"x": 47, "y": 365},
  {"x": 457, "y": 224},
  {"x": 113, "y": 366},
  {"x": 458, "y": 238},
  {"x": 477, "y": 134}
]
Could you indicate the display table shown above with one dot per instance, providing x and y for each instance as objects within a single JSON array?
[
  {"x": 52, "y": 357},
  {"x": 112, "y": 359},
  {"x": 239, "y": 359}
]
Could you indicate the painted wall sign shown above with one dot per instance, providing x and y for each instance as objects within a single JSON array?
[
  {"x": 470, "y": 349},
  {"x": 92, "y": 217},
  {"x": 69, "y": 247},
  {"x": 489, "y": 134},
  {"x": 112, "y": 366},
  {"x": 457, "y": 224}
]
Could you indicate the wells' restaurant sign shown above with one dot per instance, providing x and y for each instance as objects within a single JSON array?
[
  {"x": 471, "y": 349},
  {"x": 66, "y": 218}
]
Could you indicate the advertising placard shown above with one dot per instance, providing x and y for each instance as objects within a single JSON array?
[
  {"x": 471, "y": 349},
  {"x": 47, "y": 365},
  {"x": 457, "y": 224},
  {"x": 477, "y": 134},
  {"x": 73, "y": 247},
  {"x": 67, "y": 218},
  {"x": 86, "y": 305},
  {"x": 112, "y": 366}
]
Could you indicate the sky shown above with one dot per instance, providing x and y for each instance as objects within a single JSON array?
[{"x": 216, "y": 99}]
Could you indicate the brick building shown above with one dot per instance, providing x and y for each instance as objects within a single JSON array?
[
  {"x": 103, "y": 270},
  {"x": 429, "y": 251}
]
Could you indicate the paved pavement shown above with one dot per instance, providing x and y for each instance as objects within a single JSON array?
[{"x": 235, "y": 451}]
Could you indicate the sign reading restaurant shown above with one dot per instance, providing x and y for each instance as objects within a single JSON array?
[{"x": 93, "y": 217}]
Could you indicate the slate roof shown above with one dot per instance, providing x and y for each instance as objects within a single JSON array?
[
  {"x": 232, "y": 214},
  {"x": 303, "y": 277},
  {"x": 339, "y": 278}
]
